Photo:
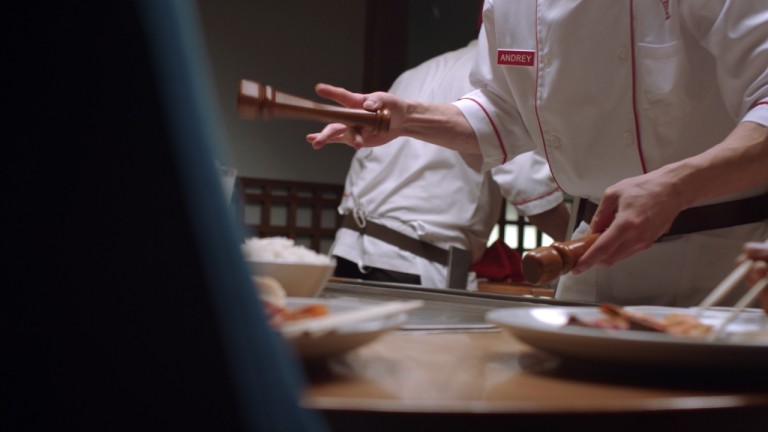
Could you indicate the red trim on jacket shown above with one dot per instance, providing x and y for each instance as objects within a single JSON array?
[
  {"x": 536, "y": 96},
  {"x": 638, "y": 141},
  {"x": 536, "y": 198},
  {"x": 493, "y": 125}
]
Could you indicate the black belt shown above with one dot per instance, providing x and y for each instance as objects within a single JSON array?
[
  {"x": 396, "y": 238},
  {"x": 456, "y": 259},
  {"x": 704, "y": 218}
]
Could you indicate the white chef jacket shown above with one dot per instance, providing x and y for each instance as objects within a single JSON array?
[
  {"x": 614, "y": 89},
  {"x": 428, "y": 192}
]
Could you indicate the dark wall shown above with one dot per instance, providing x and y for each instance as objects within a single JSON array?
[
  {"x": 437, "y": 26},
  {"x": 400, "y": 34},
  {"x": 290, "y": 45}
]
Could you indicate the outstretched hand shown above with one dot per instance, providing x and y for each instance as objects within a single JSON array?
[
  {"x": 356, "y": 137},
  {"x": 632, "y": 215}
]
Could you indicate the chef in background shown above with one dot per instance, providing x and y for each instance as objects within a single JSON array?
[
  {"x": 657, "y": 111},
  {"x": 428, "y": 194}
]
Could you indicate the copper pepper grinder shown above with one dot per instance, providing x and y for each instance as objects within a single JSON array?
[
  {"x": 259, "y": 101},
  {"x": 546, "y": 263}
]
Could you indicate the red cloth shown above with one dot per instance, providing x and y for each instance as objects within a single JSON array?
[{"x": 499, "y": 263}]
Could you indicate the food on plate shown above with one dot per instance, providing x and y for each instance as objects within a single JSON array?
[
  {"x": 619, "y": 318},
  {"x": 281, "y": 249},
  {"x": 270, "y": 290},
  {"x": 273, "y": 297},
  {"x": 286, "y": 315}
]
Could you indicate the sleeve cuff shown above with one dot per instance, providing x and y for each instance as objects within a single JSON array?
[
  {"x": 539, "y": 204},
  {"x": 491, "y": 146},
  {"x": 758, "y": 114}
]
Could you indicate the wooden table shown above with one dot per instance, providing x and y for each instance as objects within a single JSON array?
[{"x": 489, "y": 381}]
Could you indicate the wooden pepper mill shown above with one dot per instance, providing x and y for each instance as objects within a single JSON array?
[
  {"x": 546, "y": 263},
  {"x": 258, "y": 101}
]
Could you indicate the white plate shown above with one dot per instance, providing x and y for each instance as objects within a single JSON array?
[
  {"x": 745, "y": 345},
  {"x": 344, "y": 338}
]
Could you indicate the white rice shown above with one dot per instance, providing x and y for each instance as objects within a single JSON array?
[{"x": 281, "y": 249}]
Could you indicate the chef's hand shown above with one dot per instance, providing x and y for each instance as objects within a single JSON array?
[
  {"x": 758, "y": 252},
  {"x": 632, "y": 215},
  {"x": 352, "y": 136}
]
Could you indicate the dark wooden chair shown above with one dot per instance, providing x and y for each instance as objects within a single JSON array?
[{"x": 303, "y": 211}]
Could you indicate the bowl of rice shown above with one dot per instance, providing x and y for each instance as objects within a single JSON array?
[{"x": 301, "y": 271}]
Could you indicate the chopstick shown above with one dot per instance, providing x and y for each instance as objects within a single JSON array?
[
  {"x": 726, "y": 286},
  {"x": 743, "y": 302},
  {"x": 315, "y": 327}
]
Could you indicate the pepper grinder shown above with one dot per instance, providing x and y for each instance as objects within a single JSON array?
[
  {"x": 258, "y": 101},
  {"x": 546, "y": 263}
]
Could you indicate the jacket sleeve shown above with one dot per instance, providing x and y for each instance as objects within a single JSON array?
[
  {"x": 491, "y": 109},
  {"x": 526, "y": 182},
  {"x": 735, "y": 32}
]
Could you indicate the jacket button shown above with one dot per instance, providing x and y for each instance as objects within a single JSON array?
[
  {"x": 546, "y": 61},
  {"x": 629, "y": 139},
  {"x": 622, "y": 54}
]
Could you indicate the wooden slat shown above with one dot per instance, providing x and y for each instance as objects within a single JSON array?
[{"x": 294, "y": 196}]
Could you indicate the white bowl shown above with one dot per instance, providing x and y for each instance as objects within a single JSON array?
[{"x": 298, "y": 279}]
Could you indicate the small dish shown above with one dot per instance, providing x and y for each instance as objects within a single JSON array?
[{"x": 344, "y": 338}]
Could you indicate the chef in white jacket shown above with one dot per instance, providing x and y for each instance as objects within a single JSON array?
[
  {"x": 653, "y": 109},
  {"x": 428, "y": 193}
]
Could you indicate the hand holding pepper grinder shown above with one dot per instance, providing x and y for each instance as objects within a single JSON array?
[{"x": 546, "y": 263}]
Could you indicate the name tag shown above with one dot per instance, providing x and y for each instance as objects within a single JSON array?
[{"x": 515, "y": 57}]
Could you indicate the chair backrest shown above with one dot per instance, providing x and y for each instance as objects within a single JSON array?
[{"x": 303, "y": 211}]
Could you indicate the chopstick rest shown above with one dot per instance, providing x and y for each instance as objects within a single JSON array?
[{"x": 315, "y": 327}]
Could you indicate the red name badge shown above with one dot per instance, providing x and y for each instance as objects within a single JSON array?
[{"x": 515, "y": 57}]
